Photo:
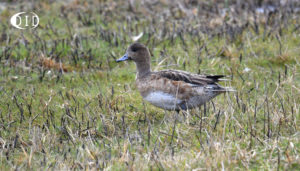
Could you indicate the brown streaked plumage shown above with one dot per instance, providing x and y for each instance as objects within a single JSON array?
[{"x": 171, "y": 89}]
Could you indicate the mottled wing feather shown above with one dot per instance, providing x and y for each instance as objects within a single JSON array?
[{"x": 194, "y": 79}]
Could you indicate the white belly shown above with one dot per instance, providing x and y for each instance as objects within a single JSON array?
[{"x": 163, "y": 100}]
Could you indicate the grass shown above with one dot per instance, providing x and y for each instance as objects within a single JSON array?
[{"x": 81, "y": 110}]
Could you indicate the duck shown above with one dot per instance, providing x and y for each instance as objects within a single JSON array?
[{"x": 171, "y": 89}]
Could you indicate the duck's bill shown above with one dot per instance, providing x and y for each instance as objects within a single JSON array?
[{"x": 123, "y": 58}]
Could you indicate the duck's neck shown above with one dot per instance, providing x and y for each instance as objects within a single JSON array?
[{"x": 143, "y": 69}]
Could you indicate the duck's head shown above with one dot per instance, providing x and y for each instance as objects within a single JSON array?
[{"x": 136, "y": 52}]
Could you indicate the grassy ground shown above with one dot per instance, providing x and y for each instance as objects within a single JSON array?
[{"x": 65, "y": 104}]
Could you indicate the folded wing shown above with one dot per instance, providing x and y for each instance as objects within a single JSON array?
[{"x": 194, "y": 79}]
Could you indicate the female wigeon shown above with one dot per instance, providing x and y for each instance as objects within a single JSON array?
[{"x": 171, "y": 89}]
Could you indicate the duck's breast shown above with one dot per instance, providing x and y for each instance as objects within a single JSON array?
[{"x": 163, "y": 100}]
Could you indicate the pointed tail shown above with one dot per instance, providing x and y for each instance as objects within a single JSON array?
[
  {"x": 229, "y": 89},
  {"x": 224, "y": 89}
]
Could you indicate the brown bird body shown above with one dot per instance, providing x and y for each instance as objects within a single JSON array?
[{"x": 171, "y": 89}]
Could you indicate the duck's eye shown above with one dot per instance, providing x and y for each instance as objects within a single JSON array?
[{"x": 134, "y": 49}]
